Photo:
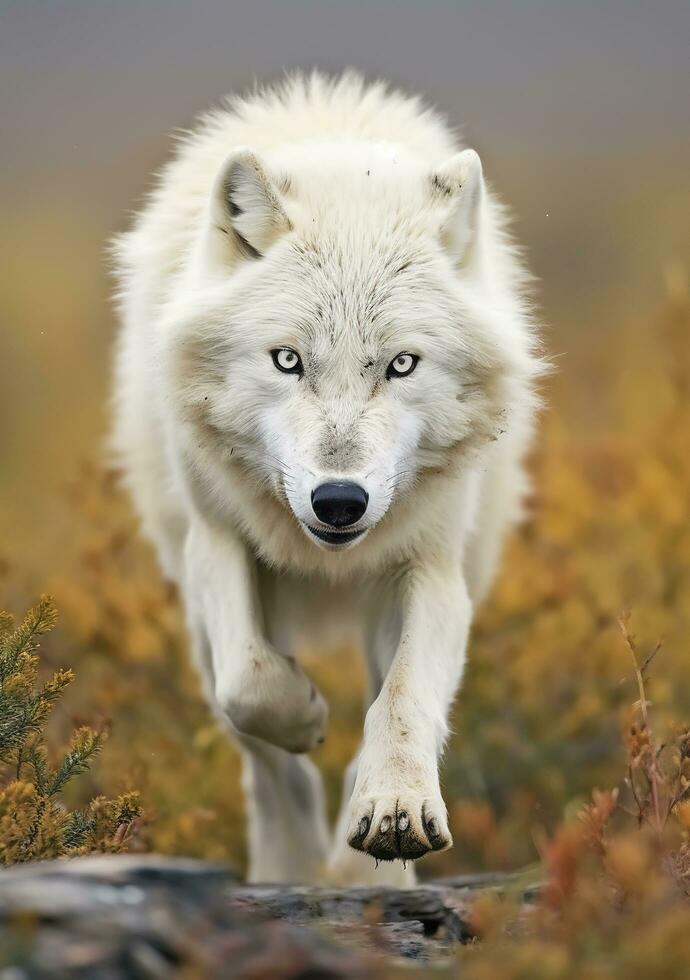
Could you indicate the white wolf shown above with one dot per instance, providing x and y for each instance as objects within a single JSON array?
[{"x": 324, "y": 392}]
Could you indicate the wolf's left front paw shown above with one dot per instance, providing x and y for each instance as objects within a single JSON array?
[{"x": 402, "y": 825}]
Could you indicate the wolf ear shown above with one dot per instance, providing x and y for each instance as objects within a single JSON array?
[
  {"x": 246, "y": 204},
  {"x": 460, "y": 184}
]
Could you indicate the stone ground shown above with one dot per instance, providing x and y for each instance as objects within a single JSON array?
[{"x": 153, "y": 917}]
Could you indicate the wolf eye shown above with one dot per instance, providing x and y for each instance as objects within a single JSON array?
[
  {"x": 401, "y": 366},
  {"x": 287, "y": 360}
]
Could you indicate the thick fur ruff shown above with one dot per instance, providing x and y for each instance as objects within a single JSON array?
[{"x": 343, "y": 225}]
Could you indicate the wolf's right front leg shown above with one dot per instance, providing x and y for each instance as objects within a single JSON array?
[{"x": 262, "y": 693}]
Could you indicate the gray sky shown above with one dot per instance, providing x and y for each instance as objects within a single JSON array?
[
  {"x": 87, "y": 74},
  {"x": 568, "y": 102}
]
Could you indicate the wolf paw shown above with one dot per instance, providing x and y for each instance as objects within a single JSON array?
[
  {"x": 273, "y": 699},
  {"x": 402, "y": 826}
]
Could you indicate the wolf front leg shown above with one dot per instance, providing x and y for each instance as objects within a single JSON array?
[
  {"x": 396, "y": 809},
  {"x": 262, "y": 693}
]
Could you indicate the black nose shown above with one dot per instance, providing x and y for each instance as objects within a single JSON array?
[{"x": 339, "y": 504}]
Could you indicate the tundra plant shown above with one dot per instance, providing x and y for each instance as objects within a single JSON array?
[{"x": 34, "y": 822}]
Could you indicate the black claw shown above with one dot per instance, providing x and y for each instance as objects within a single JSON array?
[
  {"x": 437, "y": 841},
  {"x": 359, "y": 836}
]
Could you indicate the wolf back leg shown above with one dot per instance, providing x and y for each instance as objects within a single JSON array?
[{"x": 286, "y": 815}]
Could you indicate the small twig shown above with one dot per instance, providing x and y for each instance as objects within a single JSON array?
[
  {"x": 652, "y": 770},
  {"x": 633, "y": 790},
  {"x": 649, "y": 658},
  {"x": 678, "y": 788}
]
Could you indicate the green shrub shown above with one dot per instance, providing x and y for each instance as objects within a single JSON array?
[{"x": 34, "y": 822}]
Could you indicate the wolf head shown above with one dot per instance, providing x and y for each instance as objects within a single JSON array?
[{"x": 345, "y": 329}]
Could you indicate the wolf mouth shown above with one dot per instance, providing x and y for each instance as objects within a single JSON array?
[{"x": 335, "y": 537}]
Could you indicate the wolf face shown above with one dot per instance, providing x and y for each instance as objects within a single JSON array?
[{"x": 329, "y": 346}]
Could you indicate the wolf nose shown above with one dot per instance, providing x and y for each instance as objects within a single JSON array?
[{"x": 339, "y": 504}]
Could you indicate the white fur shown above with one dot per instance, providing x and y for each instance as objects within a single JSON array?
[{"x": 344, "y": 221}]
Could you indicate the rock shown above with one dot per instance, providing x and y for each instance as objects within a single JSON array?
[{"x": 149, "y": 916}]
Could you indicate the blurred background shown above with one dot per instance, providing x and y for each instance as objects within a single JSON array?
[
  {"x": 580, "y": 111},
  {"x": 581, "y": 114}
]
